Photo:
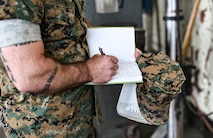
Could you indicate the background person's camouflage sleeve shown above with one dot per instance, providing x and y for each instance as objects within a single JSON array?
[{"x": 68, "y": 114}]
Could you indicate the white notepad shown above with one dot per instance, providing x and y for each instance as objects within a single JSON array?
[{"x": 119, "y": 42}]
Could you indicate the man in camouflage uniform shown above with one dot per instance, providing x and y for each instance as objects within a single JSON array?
[{"x": 44, "y": 64}]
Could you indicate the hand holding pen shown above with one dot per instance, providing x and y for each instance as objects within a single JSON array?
[{"x": 102, "y": 68}]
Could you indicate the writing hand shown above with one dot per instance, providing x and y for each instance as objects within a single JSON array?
[{"x": 102, "y": 68}]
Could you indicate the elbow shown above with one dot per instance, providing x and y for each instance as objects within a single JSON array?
[
  {"x": 26, "y": 86},
  {"x": 23, "y": 87}
]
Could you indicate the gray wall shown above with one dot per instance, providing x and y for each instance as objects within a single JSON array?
[{"x": 130, "y": 14}]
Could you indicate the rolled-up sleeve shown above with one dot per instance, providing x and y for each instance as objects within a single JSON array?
[
  {"x": 20, "y": 21},
  {"x": 17, "y": 31}
]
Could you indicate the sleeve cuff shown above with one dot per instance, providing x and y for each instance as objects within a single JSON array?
[{"x": 17, "y": 31}]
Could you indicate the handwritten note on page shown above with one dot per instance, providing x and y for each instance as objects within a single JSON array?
[{"x": 119, "y": 42}]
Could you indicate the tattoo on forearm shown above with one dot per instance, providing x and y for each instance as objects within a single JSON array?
[
  {"x": 49, "y": 81},
  {"x": 9, "y": 72},
  {"x": 25, "y": 43},
  {"x": 2, "y": 57}
]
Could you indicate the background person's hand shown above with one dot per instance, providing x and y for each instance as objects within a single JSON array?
[{"x": 101, "y": 68}]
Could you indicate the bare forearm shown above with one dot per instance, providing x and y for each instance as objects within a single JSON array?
[
  {"x": 33, "y": 72},
  {"x": 69, "y": 76},
  {"x": 59, "y": 78}
]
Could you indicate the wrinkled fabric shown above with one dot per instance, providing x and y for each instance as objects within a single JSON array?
[{"x": 162, "y": 82}]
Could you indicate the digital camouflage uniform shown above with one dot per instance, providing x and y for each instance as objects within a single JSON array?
[
  {"x": 162, "y": 82},
  {"x": 64, "y": 115}
]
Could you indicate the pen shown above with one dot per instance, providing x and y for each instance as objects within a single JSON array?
[{"x": 101, "y": 51}]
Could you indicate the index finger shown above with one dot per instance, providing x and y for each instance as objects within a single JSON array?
[{"x": 114, "y": 59}]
